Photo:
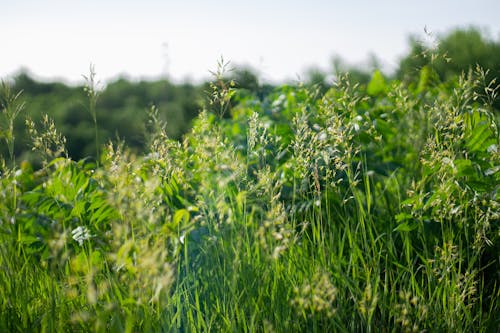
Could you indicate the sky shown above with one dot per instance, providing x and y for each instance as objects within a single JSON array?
[{"x": 183, "y": 39}]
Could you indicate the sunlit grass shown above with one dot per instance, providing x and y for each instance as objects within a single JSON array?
[{"x": 351, "y": 210}]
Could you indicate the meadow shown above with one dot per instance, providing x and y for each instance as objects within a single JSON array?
[{"x": 352, "y": 209}]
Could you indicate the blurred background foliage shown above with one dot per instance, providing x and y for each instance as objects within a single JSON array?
[
  {"x": 122, "y": 105},
  {"x": 451, "y": 54}
]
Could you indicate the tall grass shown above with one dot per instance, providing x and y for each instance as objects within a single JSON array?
[
  {"x": 92, "y": 90},
  {"x": 351, "y": 210}
]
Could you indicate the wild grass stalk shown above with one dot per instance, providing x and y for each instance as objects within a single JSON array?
[
  {"x": 344, "y": 211},
  {"x": 92, "y": 90}
]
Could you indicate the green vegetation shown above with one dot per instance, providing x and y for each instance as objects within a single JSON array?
[
  {"x": 317, "y": 208},
  {"x": 454, "y": 53},
  {"x": 351, "y": 210},
  {"x": 120, "y": 108}
]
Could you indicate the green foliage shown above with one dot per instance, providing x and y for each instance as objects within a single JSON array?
[
  {"x": 377, "y": 85},
  {"x": 119, "y": 109},
  {"x": 347, "y": 209},
  {"x": 319, "y": 207},
  {"x": 11, "y": 107},
  {"x": 454, "y": 53},
  {"x": 90, "y": 118}
]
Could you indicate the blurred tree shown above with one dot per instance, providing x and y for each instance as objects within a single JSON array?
[
  {"x": 356, "y": 73},
  {"x": 248, "y": 79},
  {"x": 121, "y": 111},
  {"x": 245, "y": 78},
  {"x": 455, "y": 52},
  {"x": 318, "y": 78}
]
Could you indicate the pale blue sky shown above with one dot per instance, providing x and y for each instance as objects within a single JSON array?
[{"x": 184, "y": 39}]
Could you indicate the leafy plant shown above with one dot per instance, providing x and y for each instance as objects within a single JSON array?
[{"x": 348, "y": 208}]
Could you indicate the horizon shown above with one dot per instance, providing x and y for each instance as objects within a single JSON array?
[{"x": 280, "y": 41}]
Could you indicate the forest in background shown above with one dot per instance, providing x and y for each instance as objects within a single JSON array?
[{"x": 122, "y": 106}]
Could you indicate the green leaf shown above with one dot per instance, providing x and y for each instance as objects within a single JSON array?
[
  {"x": 181, "y": 215},
  {"x": 28, "y": 239},
  {"x": 384, "y": 128},
  {"x": 78, "y": 209},
  {"x": 478, "y": 140},
  {"x": 102, "y": 214},
  {"x": 464, "y": 168},
  {"x": 406, "y": 227},
  {"x": 403, "y": 217},
  {"x": 377, "y": 85}
]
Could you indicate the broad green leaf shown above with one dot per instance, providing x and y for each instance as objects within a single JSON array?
[
  {"x": 28, "y": 239},
  {"x": 478, "y": 140},
  {"x": 464, "y": 168},
  {"x": 78, "y": 209},
  {"x": 406, "y": 227},
  {"x": 377, "y": 85}
]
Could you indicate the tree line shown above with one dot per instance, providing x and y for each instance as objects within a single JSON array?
[{"x": 121, "y": 105}]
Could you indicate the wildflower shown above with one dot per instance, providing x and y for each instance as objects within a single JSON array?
[{"x": 80, "y": 234}]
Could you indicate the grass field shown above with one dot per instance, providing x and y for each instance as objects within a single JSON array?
[{"x": 361, "y": 209}]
